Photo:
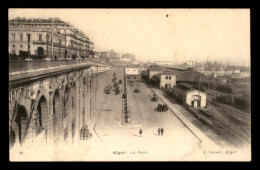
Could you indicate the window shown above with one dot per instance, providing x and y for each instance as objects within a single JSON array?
[
  {"x": 170, "y": 77},
  {"x": 13, "y": 37},
  {"x": 21, "y": 37},
  {"x": 21, "y": 46},
  {"x": 166, "y": 77},
  {"x": 40, "y": 37},
  {"x": 29, "y": 37},
  {"x": 13, "y": 46}
]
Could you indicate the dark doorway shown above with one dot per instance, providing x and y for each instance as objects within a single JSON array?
[
  {"x": 21, "y": 118},
  {"x": 40, "y": 51},
  {"x": 66, "y": 53},
  {"x": 43, "y": 115}
]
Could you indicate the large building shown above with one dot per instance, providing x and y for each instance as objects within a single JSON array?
[
  {"x": 116, "y": 58},
  {"x": 51, "y": 37},
  {"x": 128, "y": 57}
]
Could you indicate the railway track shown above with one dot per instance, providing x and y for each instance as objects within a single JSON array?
[{"x": 232, "y": 111}]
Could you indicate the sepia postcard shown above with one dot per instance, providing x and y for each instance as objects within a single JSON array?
[{"x": 129, "y": 85}]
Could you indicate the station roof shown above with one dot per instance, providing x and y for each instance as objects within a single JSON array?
[
  {"x": 179, "y": 68},
  {"x": 184, "y": 86},
  {"x": 156, "y": 77},
  {"x": 191, "y": 76}
]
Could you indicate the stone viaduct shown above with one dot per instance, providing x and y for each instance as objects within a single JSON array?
[{"x": 52, "y": 105}]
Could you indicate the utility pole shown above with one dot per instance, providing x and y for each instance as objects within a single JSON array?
[
  {"x": 230, "y": 122},
  {"x": 199, "y": 91},
  {"x": 65, "y": 52},
  {"x": 52, "y": 38}
]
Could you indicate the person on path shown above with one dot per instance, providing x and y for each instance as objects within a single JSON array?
[
  {"x": 162, "y": 130},
  {"x": 140, "y": 132},
  {"x": 159, "y": 131}
]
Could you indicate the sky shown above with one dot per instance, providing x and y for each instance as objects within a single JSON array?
[{"x": 161, "y": 34}]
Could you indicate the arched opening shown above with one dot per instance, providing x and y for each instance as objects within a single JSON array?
[
  {"x": 21, "y": 120},
  {"x": 42, "y": 115},
  {"x": 12, "y": 138},
  {"x": 57, "y": 115},
  {"x": 40, "y": 51},
  {"x": 66, "y": 101},
  {"x": 73, "y": 109}
]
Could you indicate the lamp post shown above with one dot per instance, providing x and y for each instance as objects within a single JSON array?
[
  {"x": 60, "y": 40},
  {"x": 47, "y": 38}
]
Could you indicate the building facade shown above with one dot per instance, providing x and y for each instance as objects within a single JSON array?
[
  {"x": 51, "y": 37},
  {"x": 167, "y": 81},
  {"x": 131, "y": 71}
]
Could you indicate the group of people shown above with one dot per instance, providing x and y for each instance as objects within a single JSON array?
[
  {"x": 162, "y": 107},
  {"x": 153, "y": 97},
  {"x": 160, "y": 132}
]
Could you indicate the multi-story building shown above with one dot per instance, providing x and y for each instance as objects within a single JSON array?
[
  {"x": 51, "y": 37},
  {"x": 128, "y": 57},
  {"x": 167, "y": 80}
]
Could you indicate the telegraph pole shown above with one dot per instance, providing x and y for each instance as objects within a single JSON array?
[
  {"x": 65, "y": 52},
  {"x": 52, "y": 38}
]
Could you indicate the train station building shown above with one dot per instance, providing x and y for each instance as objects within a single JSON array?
[{"x": 186, "y": 94}]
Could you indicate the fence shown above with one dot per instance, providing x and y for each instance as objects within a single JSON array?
[{"x": 16, "y": 66}]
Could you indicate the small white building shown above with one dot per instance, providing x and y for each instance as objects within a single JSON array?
[
  {"x": 188, "y": 95},
  {"x": 196, "y": 98},
  {"x": 131, "y": 71}
]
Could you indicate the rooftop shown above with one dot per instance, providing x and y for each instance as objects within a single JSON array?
[
  {"x": 179, "y": 68},
  {"x": 38, "y": 20},
  {"x": 184, "y": 86},
  {"x": 191, "y": 76}
]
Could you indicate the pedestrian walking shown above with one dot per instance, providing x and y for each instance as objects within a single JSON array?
[
  {"x": 162, "y": 130},
  {"x": 140, "y": 132},
  {"x": 159, "y": 131}
]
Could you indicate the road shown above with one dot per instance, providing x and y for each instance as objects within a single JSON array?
[
  {"x": 178, "y": 142},
  {"x": 123, "y": 138}
]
